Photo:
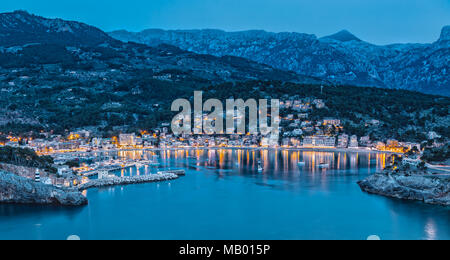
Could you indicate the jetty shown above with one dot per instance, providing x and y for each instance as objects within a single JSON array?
[{"x": 114, "y": 181}]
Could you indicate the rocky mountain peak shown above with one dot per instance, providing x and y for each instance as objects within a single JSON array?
[{"x": 343, "y": 36}]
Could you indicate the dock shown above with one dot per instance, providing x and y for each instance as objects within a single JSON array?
[{"x": 115, "y": 181}]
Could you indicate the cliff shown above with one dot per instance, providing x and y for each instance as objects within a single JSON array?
[
  {"x": 19, "y": 190},
  {"x": 428, "y": 189}
]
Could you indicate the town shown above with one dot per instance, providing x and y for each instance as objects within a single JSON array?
[{"x": 297, "y": 131}]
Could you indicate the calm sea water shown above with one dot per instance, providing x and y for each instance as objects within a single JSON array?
[{"x": 224, "y": 197}]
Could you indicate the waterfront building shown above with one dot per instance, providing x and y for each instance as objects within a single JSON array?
[
  {"x": 365, "y": 141},
  {"x": 308, "y": 141},
  {"x": 343, "y": 141},
  {"x": 149, "y": 140},
  {"x": 127, "y": 140},
  {"x": 392, "y": 143},
  {"x": 380, "y": 145},
  {"x": 295, "y": 142},
  {"x": 353, "y": 142},
  {"x": 321, "y": 141},
  {"x": 270, "y": 141}
]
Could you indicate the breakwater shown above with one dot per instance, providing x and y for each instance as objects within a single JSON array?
[{"x": 114, "y": 181}]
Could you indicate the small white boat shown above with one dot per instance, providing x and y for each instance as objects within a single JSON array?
[
  {"x": 260, "y": 168},
  {"x": 324, "y": 165},
  {"x": 154, "y": 164}
]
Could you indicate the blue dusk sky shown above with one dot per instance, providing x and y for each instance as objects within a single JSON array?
[{"x": 376, "y": 21}]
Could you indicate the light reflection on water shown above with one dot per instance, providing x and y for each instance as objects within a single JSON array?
[{"x": 279, "y": 162}]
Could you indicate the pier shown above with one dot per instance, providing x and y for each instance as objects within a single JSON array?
[{"x": 160, "y": 176}]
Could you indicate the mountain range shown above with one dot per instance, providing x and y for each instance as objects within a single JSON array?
[
  {"x": 341, "y": 58},
  {"x": 27, "y": 40}
]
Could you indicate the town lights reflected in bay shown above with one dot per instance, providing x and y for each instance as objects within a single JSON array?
[{"x": 240, "y": 161}]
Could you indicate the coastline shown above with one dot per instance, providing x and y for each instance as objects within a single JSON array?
[
  {"x": 15, "y": 189},
  {"x": 424, "y": 188}
]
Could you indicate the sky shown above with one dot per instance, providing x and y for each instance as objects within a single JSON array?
[{"x": 375, "y": 21}]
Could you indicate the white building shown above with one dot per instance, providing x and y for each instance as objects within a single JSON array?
[
  {"x": 343, "y": 141},
  {"x": 321, "y": 141},
  {"x": 127, "y": 140},
  {"x": 353, "y": 142},
  {"x": 332, "y": 121},
  {"x": 365, "y": 141}
]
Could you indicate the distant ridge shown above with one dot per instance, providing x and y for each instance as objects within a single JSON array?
[
  {"x": 341, "y": 58},
  {"x": 21, "y": 27},
  {"x": 28, "y": 40}
]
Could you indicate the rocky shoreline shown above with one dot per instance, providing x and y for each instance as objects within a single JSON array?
[
  {"x": 420, "y": 187},
  {"x": 15, "y": 189}
]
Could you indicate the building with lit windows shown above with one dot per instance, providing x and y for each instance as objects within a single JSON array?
[
  {"x": 353, "y": 142},
  {"x": 321, "y": 141},
  {"x": 127, "y": 140}
]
